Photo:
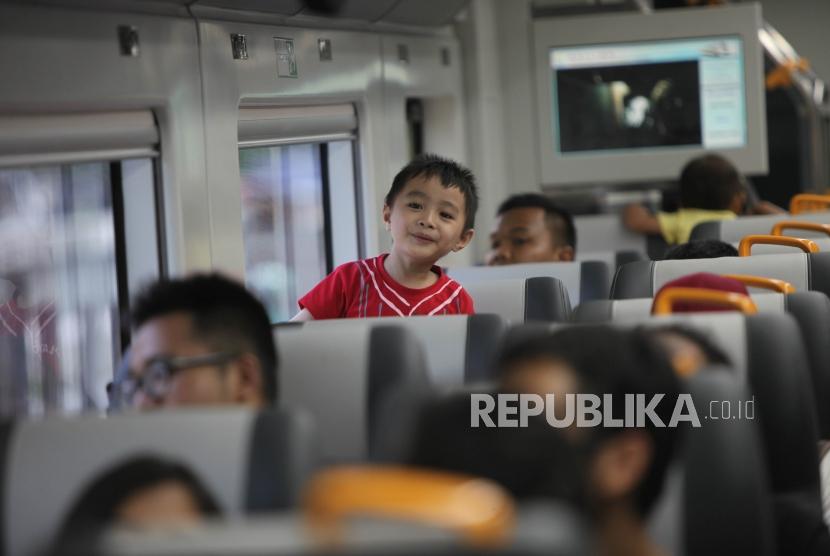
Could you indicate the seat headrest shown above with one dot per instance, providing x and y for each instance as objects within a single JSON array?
[
  {"x": 624, "y": 310},
  {"x": 345, "y": 376},
  {"x": 247, "y": 460},
  {"x": 465, "y": 358},
  {"x": 644, "y": 278},
  {"x": 612, "y": 259},
  {"x": 519, "y": 300},
  {"x": 731, "y": 231},
  {"x": 584, "y": 280}
]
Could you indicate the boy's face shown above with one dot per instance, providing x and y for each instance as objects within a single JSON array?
[
  {"x": 427, "y": 220},
  {"x": 542, "y": 376},
  {"x": 522, "y": 235},
  {"x": 616, "y": 464}
]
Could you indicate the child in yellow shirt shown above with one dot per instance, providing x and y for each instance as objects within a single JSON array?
[{"x": 710, "y": 189}]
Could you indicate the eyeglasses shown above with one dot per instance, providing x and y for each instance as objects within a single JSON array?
[{"x": 154, "y": 382}]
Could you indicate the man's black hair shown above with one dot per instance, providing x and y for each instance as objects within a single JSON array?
[
  {"x": 702, "y": 249},
  {"x": 98, "y": 505},
  {"x": 614, "y": 361},
  {"x": 449, "y": 172},
  {"x": 709, "y": 182},
  {"x": 560, "y": 221},
  {"x": 224, "y": 314}
]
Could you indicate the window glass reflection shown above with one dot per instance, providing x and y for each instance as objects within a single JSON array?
[
  {"x": 283, "y": 223},
  {"x": 58, "y": 292}
]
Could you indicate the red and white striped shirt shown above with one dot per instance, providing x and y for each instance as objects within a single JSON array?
[{"x": 364, "y": 289}]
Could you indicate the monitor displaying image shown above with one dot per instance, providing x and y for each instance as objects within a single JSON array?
[{"x": 651, "y": 94}]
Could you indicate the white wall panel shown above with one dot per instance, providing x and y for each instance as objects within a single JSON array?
[
  {"x": 485, "y": 108},
  {"x": 440, "y": 86},
  {"x": 59, "y": 61},
  {"x": 352, "y": 76}
]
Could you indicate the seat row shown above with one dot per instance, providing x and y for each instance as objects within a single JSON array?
[
  {"x": 351, "y": 390},
  {"x": 354, "y": 397}
]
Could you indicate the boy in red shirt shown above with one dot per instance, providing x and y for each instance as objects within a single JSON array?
[{"x": 429, "y": 211}]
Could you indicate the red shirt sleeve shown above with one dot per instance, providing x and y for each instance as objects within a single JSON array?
[
  {"x": 465, "y": 303},
  {"x": 327, "y": 300}
]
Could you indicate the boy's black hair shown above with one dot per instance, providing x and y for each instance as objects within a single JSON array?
[
  {"x": 614, "y": 361},
  {"x": 451, "y": 174},
  {"x": 560, "y": 221},
  {"x": 224, "y": 314},
  {"x": 709, "y": 182},
  {"x": 714, "y": 354},
  {"x": 702, "y": 249},
  {"x": 98, "y": 505},
  {"x": 531, "y": 462}
]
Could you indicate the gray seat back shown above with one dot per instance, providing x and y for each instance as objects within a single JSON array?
[
  {"x": 584, "y": 280},
  {"x": 720, "y": 465},
  {"x": 247, "y": 460},
  {"x": 603, "y": 232},
  {"x": 458, "y": 349},
  {"x": 803, "y": 271},
  {"x": 518, "y": 300},
  {"x": 612, "y": 259},
  {"x": 811, "y": 311},
  {"x": 360, "y": 383},
  {"x": 540, "y": 529},
  {"x": 732, "y": 231},
  {"x": 723, "y": 468},
  {"x": 626, "y": 310}
]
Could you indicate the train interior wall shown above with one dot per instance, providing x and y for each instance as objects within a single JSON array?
[{"x": 61, "y": 60}]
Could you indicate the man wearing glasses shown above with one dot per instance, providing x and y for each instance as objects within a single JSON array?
[{"x": 201, "y": 340}]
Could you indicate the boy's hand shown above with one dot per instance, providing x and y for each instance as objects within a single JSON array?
[{"x": 765, "y": 207}]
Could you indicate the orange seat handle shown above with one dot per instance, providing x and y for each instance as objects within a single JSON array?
[
  {"x": 782, "y": 75},
  {"x": 773, "y": 284},
  {"x": 665, "y": 300},
  {"x": 809, "y": 202},
  {"x": 745, "y": 247},
  {"x": 799, "y": 225},
  {"x": 480, "y": 511}
]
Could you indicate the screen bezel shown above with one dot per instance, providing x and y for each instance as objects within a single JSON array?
[{"x": 658, "y": 163}]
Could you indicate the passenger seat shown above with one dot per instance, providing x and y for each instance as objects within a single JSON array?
[
  {"x": 583, "y": 280},
  {"x": 249, "y": 461}
]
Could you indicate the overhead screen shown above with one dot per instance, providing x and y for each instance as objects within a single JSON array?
[{"x": 633, "y": 98}]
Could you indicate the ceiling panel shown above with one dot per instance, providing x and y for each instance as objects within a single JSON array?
[
  {"x": 424, "y": 12},
  {"x": 282, "y": 7}
]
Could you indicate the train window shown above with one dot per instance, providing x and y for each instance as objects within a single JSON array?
[
  {"x": 292, "y": 174},
  {"x": 65, "y": 273},
  {"x": 59, "y": 285},
  {"x": 283, "y": 223}
]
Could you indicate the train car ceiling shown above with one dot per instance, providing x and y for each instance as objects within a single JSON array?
[{"x": 419, "y": 13}]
